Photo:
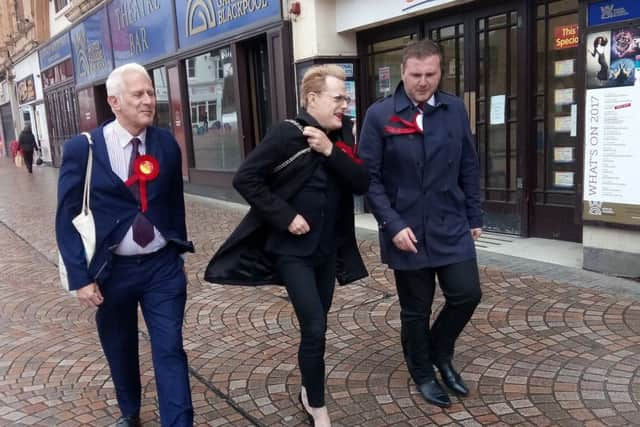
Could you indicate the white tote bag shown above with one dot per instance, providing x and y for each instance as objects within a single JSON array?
[{"x": 83, "y": 222}]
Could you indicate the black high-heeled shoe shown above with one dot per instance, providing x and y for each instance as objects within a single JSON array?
[{"x": 309, "y": 416}]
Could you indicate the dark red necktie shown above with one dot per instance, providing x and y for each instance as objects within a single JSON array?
[
  {"x": 421, "y": 106},
  {"x": 143, "y": 232}
]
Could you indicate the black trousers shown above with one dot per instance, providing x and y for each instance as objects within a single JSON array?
[
  {"x": 310, "y": 282},
  {"x": 27, "y": 156},
  {"x": 423, "y": 345}
]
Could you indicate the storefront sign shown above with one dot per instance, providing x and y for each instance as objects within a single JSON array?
[
  {"x": 55, "y": 52},
  {"x": 203, "y": 20},
  {"x": 91, "y": 46},
  {"x": 355, "y": 14},
  {"x": 565, "y": 36},
  {"x": 26, "y": 90},
  {"x": 609, "y": 11},
  {"x": 141, "y": 31}
]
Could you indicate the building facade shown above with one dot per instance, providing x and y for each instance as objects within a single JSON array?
[{"x": 225, "y": 71}]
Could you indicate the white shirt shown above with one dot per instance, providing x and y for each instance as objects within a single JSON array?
[{"x": 119, "y": 147}]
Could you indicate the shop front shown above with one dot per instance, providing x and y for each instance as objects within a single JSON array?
[
  {"x": 514, "y": 65},
  {"x": 29, "y": 96},
  {"x": 92, "y": 62},
  {"x": 60, "y": 98},
  {"x": 222, "y": 73},
  {"x": 6, "y": 120},
  {"x": 232, "y": 80}
]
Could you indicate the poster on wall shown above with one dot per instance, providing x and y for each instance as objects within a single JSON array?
[
  {"x": 26, "y": 90},
  {"x": 612, "y": 57},
  {"x": 612, "y": 109}
]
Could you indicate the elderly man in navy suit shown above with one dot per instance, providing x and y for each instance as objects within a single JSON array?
[
  {"x": 138, "y": 205},
  {"x": 425, "y": 195}
]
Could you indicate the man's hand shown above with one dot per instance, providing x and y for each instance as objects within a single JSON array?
[
  {"x": 476, "y": 233},
  {"x": 299, "y": 226},
  {"x": 405, "y": 240},
  {"x": 90, "y": 295},
  {"x": 318, "y": 140}
]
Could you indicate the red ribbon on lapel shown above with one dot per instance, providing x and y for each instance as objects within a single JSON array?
[
  {"x": 409, "y": 127},
  {"x": 145, "y": 168},
  {"x": 349, "y": 151}
]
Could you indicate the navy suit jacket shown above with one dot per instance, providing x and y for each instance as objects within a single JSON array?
[
  {"x": 113, "y": 205},
  {"x": 426, "y": 181}
]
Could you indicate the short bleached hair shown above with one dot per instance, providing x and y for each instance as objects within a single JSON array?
[
  {"x": 115, "y": 81},
  {"x": 315, "y": 79}
]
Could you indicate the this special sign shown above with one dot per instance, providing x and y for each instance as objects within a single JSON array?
[
  {"x": 141, "y": 31},
  {"x": 203, "y": 20},
  {"x": 91, "y": 45}
]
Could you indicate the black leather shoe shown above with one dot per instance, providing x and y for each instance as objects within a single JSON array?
[
  {"x": 452, "y": 379},
  {"x": 433, "y": 393},
  {"x": 130, "y": 421}
]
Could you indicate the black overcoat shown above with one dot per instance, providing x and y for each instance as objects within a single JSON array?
[{"x": 241, "y": 260}]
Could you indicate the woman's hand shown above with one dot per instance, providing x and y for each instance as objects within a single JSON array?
[
  {"x": 318, "y": 140},
  {"x": 299, "y": 226}
]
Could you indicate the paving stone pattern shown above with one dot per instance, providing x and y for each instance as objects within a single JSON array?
[{"x": 537, "y": 352}]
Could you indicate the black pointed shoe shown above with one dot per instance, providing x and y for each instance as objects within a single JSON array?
[
  {"x": 433, "y": 393},
  {"x": 130, "y": 421},
  {"x": 452, "y": 379}
]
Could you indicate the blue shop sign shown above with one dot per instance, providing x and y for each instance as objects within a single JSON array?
[
  {"x": 203, "y": 20},
  {"x": 91, "y": 46},
  {"x": 141, "y": 31},
  {"x": 55, "y": 52},
  {"x": 605, "y": 12}
]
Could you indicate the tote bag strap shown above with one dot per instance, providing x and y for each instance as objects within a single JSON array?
[
  {"x": 87, "y": 176},
  {"x": 295, "y": 155}
]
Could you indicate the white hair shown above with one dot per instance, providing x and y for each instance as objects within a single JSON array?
[{"x": 115, "y": 80}]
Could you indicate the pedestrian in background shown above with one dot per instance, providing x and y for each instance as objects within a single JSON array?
[
  {"x": 140, "y": 236},
  {"x": 27, "y": 143},
  {"x": 425, "y": 195},
  {"x": 300, "y": 229}
]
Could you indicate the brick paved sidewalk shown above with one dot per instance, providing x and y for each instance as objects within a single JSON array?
[{"x": 537, "y": 352}]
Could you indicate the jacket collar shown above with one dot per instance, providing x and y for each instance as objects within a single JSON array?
[
  {"x": 401, "y": 100},
  {"x": 307, "y": 119}
]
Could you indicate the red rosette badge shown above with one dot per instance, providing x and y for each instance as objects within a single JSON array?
[{"x": 145, "y": 168}]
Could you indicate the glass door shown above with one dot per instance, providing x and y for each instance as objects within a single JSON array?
[{"x": 481, "y": 65}]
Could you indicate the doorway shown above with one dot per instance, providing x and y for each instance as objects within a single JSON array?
[{"x": 482, "y": 65}]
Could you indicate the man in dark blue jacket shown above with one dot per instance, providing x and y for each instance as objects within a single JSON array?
[
  {"x": 425, "y": 195},
  {"x": 137, "y": 202}
]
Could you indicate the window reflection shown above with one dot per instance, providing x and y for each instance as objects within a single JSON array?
[
  {"x": 213, "y": 111},
  {"x": 163, "y": 114}
]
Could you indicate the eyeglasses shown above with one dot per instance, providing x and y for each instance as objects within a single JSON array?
[{"x": 339, "y": 99}]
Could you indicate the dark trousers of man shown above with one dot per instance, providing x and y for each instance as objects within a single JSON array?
[
  {"x": 27, "y": 156},
  {"x": 424, "y": 346},
  {"x": 310, "y": 282},
  {"x": 158, "y": 284}
]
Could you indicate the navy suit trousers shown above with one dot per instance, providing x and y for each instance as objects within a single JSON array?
[{"x": 157, "y": 283}]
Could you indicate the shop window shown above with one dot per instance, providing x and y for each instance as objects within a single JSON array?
[
  {"x": 163, "y": 114},
  {"x": 556, "y": 99},
  {"x": 214, "y": 111},
  {"x": 384, "y": 74},
  {"x": 60, "y": 4},
  {"x": 191, "y": 68}
]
